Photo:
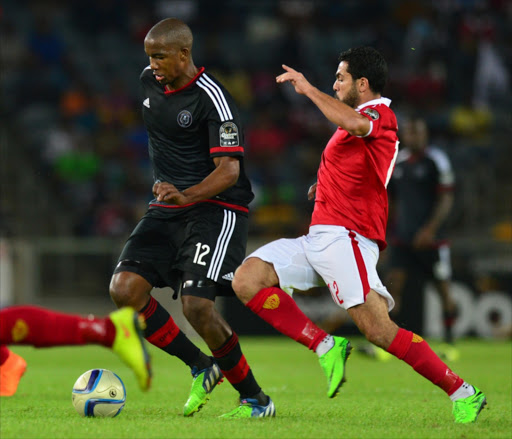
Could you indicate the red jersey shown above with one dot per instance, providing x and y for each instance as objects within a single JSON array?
[{"x": 354, "y": 173}]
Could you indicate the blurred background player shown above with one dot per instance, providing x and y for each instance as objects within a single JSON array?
[
  {"x": 194, "y": 233},
  {"x": 121, "y": 331},
  {"x": 421, "y": 198}
]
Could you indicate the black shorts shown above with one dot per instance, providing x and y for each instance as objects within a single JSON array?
[
  {"x": 434, "y": 263},
  {"x": 208, "y": 241}
]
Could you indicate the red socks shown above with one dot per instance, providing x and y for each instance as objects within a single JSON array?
[
  {"x": 279, "y": 310},
  {"x": 416, "y": 352},
  {"x": 40, "y": 327}
]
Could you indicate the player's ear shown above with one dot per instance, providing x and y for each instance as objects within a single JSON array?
[
  {"x": 363, "y": 84},
  {"x": 184, "y": 53}
]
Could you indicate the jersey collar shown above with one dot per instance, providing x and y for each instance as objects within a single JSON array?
[
  {"x": 377, "y": 101},
  {"x": 188, "y": 84}
]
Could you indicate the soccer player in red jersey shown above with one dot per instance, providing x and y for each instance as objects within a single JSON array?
[
  {"x": 347, "y": 232},
  {"x": 40, "y": 327}
]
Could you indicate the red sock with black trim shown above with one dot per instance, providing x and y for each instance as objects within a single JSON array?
[
  {"x": 235, "y": 368},
  {"x": 416, "y": 352},
  {"x": 279, "y": 310},
  {"x": 41, "y": 327},
  {"x": 164, "y": 333}
]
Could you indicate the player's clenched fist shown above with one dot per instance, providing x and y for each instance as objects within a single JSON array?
[{"x": 168, "y": 193}]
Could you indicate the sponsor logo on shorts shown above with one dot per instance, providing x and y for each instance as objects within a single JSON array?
[
  {"x": 416, "y": 338},
  {"x": 228, "y": 134},
  {"x": 184, "y": 119},
  {"x": 228, "y": 276},
  {"x": 272, "y": 302},
  {"x": 146, "y": 102}
]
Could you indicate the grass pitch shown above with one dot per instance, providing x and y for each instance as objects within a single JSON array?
[{"x": 379, "y": 400}]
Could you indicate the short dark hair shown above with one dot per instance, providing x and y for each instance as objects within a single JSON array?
[
  {"x": 173, "y": 31},
  {"x": 369, "y": 63}
]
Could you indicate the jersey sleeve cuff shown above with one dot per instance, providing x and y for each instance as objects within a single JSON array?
[
  {"x": 370, "y": 130},
  {"x": 227, "y": 150}
]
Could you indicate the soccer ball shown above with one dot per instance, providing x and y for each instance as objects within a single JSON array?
[{"x": 98, "y": 393}]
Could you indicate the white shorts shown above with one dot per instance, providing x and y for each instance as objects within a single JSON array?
[{"x": 342, "y": 259}]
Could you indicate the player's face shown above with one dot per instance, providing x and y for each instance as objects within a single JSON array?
[
  {"x": 414, "y": 135},
  {"x": 164, "y": 60},
  {"x": 345, "y": 87}
]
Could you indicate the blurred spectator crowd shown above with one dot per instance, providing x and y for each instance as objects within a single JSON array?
[{"x": 70, "y": 91}]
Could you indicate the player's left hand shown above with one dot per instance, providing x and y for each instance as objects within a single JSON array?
[
  {"x": 424, "y": 238},
  {"x": 168, "y": 193}
]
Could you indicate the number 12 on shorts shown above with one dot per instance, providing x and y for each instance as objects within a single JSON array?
[
  {"x": 335, "y": 292},
  {"x": 201, "y": 251}
]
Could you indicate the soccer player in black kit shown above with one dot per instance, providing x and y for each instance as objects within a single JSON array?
[
  {"x": 421, "y": 193},
  {"x": 194, "y": 234}
]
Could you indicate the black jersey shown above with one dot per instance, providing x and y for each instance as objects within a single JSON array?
[
  {"x": 414, "y": 189},
  {"x": 187, "y": 128}
]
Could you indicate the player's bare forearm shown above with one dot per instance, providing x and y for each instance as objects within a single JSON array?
[
  {"x": 426, "y": 235},
  {"x": 340, "y": 113},
  {"x": 336, "y": 111},
  {"x": 223, "y": 177},
  {"x": 441, "y": 210},
  {"x": 215, "y": 183}
]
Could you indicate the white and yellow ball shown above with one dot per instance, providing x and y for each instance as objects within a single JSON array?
[{"x": 99, "y": 393}]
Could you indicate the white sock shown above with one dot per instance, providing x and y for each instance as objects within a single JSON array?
[
  {"x": 325, "y": 345},
  {"x": 463, "y": 391}
]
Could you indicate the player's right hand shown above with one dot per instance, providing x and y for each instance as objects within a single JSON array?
[
  {"x": 312, "y": 191},
  {"x": 297, "y": 79},
  {"x": 167, "y": 192}
]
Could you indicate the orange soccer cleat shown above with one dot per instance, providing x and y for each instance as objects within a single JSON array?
[{"x": 10, "y": 374}]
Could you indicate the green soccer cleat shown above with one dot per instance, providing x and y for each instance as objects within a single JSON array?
[
  {"x": 204, "y": 382},
  {"x": 129, "y": 343},
  {"x": 466, "y": 410},
  {"x": 249, "y": 408},
  {"x": 333, "y": 364}
]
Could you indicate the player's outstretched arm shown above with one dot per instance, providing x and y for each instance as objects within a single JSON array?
[
  {"x": 295, "y": 78},
  {"x": 333, "y": 109}
]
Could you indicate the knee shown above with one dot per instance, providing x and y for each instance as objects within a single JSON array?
[
  {"x": 251, "y": 277},
  {"x": 244, "y": 289},
  {"x": 126, "y": 291}
]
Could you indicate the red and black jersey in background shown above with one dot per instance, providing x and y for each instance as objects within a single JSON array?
[{"x": 187, "y": 128}]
